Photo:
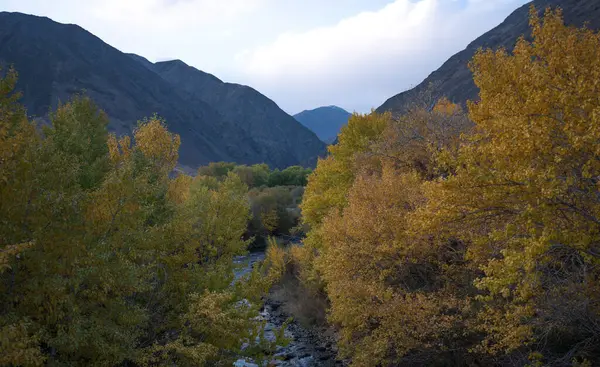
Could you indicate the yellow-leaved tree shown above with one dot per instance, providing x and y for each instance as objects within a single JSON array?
[
  {"x": 328, "y": 185},
  {"x": 105, "y": 259},
  {"x": 397, "y": 293},
  {"x": 526, "y": 194},
  {"x": 435, "y": 249}
]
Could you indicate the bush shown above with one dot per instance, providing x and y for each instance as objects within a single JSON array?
[{"x": 274, "y": 210}]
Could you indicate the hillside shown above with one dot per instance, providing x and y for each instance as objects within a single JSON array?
[
  {"x": 326, "y": 121},
  {"x": 276, "y": 136},
  {"x": 454, "y": 80},
  {"x": 57, "y": 60}
]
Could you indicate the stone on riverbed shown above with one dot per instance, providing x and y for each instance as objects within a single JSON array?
[{"x": 243, "y": 363}]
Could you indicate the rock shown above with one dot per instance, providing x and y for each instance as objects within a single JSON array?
[
  {"x": 285, "y": 356},
  {"x": 307, "y": 347},
  {"x": 244, "y": 363},
  {"x": 306, "y": 361}
]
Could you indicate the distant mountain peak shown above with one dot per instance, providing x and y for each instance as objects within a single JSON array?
[
  {"x": 325, "y": 121},
  {"x": 323, "y": 108}
]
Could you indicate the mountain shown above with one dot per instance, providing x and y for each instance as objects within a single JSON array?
[
  {"x": 454, "y": 80},
  {"x": 56, "y": 60},
  {"x": 326, "y": 122},
  {"x": 277, "y": 136}
]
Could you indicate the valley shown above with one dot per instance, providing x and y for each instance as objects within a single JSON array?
[{"x": 152, "y": 214}]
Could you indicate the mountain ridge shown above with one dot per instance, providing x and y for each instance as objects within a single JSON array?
[
  {"x": 56, "y": 60},
  {"x": 247, "y": 107},
  {"x": 454, "y": 80}
]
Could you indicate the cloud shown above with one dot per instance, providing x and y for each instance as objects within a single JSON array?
[
  {"x": 171, "y": 14},
  {"x": 197, "y": 31},
  {"x": 364, "y": 59},
  {"x": 351, "y": 41},
  {"x": 300, "y": 53}
]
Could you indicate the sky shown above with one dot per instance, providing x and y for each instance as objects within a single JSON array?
[{"x": 300, "y": 53}]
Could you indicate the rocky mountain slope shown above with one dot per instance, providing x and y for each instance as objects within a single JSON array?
[
  {"x": 57, "y": 60},
  {"x": 326, "y": 121},
  {"x": 454, "y": 80},
  {"x": 276, "y": 136}
]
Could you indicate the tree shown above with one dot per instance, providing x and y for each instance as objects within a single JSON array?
[
  {"x": 18, "y": 139},
  {"x": 216, "y": 169},
  {"x": 425, "y": 138},
  {"x": 78, "y": 130},
  {"x": 253, "y": 176},
  {"x": 291, "y": 176},
  {"x": 18, "y": 142},
  {"x": 329, "y": 183},
  {"x": 399, "y": 298},
  {"x": 391, "y": 287},
  {"x": 525, "y": 194},
  {"x": 271, "y": 211},
  {"x": 107, "y": 260},
  {"x": 58, "y": 290}
]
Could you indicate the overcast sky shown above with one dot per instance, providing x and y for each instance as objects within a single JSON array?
[{"x": 301, "y": 53}]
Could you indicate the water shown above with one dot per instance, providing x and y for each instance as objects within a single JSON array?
[
  {"x": 305, "y": 349},
  {"x": 247, "y": 262}
]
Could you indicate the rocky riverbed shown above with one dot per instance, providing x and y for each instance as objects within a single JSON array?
[{"x": 308, "y": 346}]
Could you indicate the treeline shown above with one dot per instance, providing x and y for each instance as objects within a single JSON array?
[
  {"x": 447, "y": 238},
  {"x": 105, "y": 260},
  {"x": 258, "y": 175},
  {"x": 274, "y": 198}
]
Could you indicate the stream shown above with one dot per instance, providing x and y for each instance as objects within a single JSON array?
[{"x": 307, "y": 348}]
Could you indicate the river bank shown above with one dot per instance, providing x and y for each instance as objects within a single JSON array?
[{"x": 309, "y": 346}]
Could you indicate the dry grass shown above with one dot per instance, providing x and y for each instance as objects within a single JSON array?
[{"x": 306, "y": 306}]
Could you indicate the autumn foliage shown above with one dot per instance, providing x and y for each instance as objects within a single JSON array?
[
  {"x": 105, "y": 259},
  {"x": 443, "y": 238}
]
